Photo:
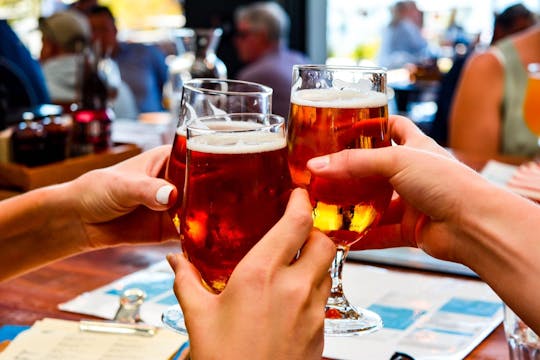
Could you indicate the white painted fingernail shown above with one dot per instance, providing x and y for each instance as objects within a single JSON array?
[{"x": 162, "y": 195}]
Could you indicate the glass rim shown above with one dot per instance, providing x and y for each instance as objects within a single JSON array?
[
  {"x": 193, "y": 124},
  {"x": 263, "y": 89},
  {"x": 335, "y": 67}
]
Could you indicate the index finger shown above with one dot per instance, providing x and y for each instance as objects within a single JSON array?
[{"x": 404, "y": 132}]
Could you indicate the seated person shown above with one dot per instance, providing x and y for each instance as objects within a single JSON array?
[
  {"x": 513, "y": 19},
  {"x": 402, "y": 40},
  {"x": 142, "y": 66},
  {"x": 15, "y": 58},
  {"x": 261, "y": 33},
  {"x": 486, "y": 118},
  {"x": 65, "y": 36}
]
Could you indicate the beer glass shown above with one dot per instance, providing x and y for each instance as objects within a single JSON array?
[
  {"x": 237, "y": 187},
  {"x": 205, "y": 97},
  {"x": 335, "y": 108},
  {"x": 531, "y": 104}
]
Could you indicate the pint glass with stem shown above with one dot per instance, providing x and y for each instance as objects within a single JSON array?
[{"x": 335, "y": 108}]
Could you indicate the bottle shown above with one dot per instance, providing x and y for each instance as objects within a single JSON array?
[
  {"x": 206, "y": 63},
  {"x": 92, "y": 119},
  {"x": 57, "y": 138},
  {"x": 28, "y": 141}
]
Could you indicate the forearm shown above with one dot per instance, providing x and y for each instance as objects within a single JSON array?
[
  {"x": 36, "y": 228},
  {"x": 501, "y": 243}
]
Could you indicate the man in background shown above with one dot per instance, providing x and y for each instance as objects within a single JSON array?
[
  {"x": 65, "y": 35},
  {"x": 261, "y": 32},
  {"x": 142, "y": 66},
  {"x": 402, "y": 42}
]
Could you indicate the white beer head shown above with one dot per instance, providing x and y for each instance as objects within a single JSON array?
[
  {"x": 339, "y": 98},
  {"x": 235, "y": 137}
]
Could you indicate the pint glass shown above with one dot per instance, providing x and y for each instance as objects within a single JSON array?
[
  {"x": 205, "y": 97},
  {"x": 237, "y": 187}
]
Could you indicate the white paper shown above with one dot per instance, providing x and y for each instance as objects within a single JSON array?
[
  {"x": 414, "y": 303},
  {"x": 54, "y": 339},
  {"x": 426, "y": 316}
]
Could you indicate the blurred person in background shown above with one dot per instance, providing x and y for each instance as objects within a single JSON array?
[
  {"x": 513, "y": 19},
  {"x": 22, "y": 83},
  {"x": 65, "y": 36},
  {"x": 486, "y": 116},
  {"x": 261, "y": 32},
  {"x": 142, "y": 66},
  {"x": 402, "y": 40}
]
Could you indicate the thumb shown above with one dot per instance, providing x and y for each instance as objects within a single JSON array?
[{"x": 154, "y": 193}]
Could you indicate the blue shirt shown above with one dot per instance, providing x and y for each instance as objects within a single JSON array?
[
  {"x": 144, "y": 69},
  {"x": 15, "y": 56},
  {"x": 402, "y": 43}
]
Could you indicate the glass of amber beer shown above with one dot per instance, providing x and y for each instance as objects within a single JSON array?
[
  {"x": 335, "y": 108},
  {"x": 237, "y": 187},
  {"x": 206, "y": 97},
  {"x": 531, "y": 102}
]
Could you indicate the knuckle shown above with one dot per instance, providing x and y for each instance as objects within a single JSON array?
[{"x": 302, "y": 218}]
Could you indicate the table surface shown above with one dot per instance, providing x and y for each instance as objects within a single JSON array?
[{"x": 36, "y": 295}]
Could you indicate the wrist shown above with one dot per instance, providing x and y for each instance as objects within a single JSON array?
[{"x": 495, "y": 230}]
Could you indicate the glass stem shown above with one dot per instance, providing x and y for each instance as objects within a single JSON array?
[{"x": 336, "y": 293}]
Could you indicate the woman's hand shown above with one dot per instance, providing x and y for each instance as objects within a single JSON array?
[
  {"x": 125, "y": 203},
  {"x": 272, "y": 306},
  {"x": 431, "y": 189}
]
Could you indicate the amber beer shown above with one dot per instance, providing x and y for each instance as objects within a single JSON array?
[
  {"x": 531, "y": 103},
  {"x": 176, "y": 172},
  {"x": 237, "y": 188},
  {"x": 324, "y": 121}
]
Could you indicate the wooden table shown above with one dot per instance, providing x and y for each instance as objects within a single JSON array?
[{"x": 33, "y": 296}]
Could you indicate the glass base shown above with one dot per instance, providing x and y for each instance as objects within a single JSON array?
[
  {"x": 350, "y": 321},
  {"x": 173, "y": 319}
]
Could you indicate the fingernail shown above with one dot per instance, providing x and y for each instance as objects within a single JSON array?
[
  {"x": 162, "y": 195},
  {"x": 319, "y": 162},
  {"x": 171, "y": 258}
]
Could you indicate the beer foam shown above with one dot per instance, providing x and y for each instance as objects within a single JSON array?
[
  {"x": 240, "y": 142},
  {"x": 339, "y": 98}
]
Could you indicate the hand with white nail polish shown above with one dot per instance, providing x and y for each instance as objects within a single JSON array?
[{"x": 124, "y": 203}]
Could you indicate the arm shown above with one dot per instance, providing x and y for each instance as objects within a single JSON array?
[
  {"x": 458, "y": 217},
  {"x": 475, "y": 116},
  {"x": 105, "y": 207},
  {"x": 272, "y": 308}
]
